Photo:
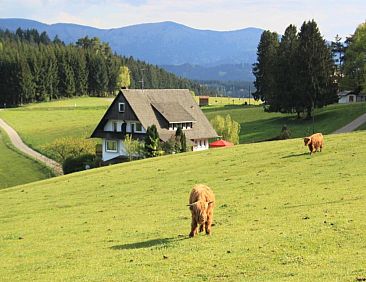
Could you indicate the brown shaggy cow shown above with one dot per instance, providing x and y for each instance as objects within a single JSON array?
[
  {"x": 315, "y": 142},
  {"x": 201, "y": 204}
]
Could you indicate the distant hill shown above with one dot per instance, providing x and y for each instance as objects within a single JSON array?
[
  {"x": 224, "y": 72},
  {"x": 165, "y": 43}
]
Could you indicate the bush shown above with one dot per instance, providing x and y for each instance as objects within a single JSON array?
[
  {"x": 69, "y": 147},
  {"x": 82, "y": 162},
  {"x": 227, "y": 128}
]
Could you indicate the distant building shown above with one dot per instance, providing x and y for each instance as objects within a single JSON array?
[
  {"x": 133, "y": 111},
  {"x": 203, "y": 101},
  {"x": 347, "y": 96}
]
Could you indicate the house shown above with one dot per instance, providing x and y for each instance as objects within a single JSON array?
[
  {"x": 134, "y": 110},
  {"x": 203, "y": 101},
  {"x": 350, "y": 97}
]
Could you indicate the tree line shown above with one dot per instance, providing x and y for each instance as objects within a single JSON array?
[
  {"x": 295, "y": 72},
  {"x": 34, "y": 68},
  {"x": 351, "y": 56}
]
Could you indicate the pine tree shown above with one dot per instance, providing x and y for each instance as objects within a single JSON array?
[
  {"x": 315, "y": 69},
  {"x": 287, "y": 72},
  {"x": 152, "y": 142},
  {"x": 264, "y": 70}
]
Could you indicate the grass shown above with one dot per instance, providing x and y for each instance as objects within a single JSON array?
[
  {"x": 15, "y": 168},
  {"x": 257, "y": 125},
  {"x": 222, "y": 101},
  {"x": 40, "y": 124},
  {"x": 281, "y": 215}
]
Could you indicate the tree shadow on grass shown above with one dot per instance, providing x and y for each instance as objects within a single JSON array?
[
  {"x": 296, "y": 155},
  {"x": 163, "y": 242}
]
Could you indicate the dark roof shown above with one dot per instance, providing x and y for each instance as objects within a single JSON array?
[
  {"x": 173, "y": 112},
  {"x": 345, "y": 93},
  {"x": 174, "y": 105}
]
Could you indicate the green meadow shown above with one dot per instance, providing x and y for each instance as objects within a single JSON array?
[
  {"x": 280, "y": 215},
  {"x": 222, "y": 101},
  {"x": 41, "y": 123},
  {"x": 15, "y": 168},
  {"x": 257, "y": 125}
]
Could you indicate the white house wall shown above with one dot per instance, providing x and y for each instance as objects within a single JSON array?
[
  {"x": 200, "y": 144},
  {"x": 109, "y": 126},
  {"x": 345, "y": 99},
  {"x": 121, "y": 151}
]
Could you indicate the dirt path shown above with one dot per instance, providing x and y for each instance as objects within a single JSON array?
[
  {"x": 352, "y": 125},
  {"x": 18, "y": 143}
]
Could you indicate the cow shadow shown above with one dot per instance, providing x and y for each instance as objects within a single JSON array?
[
  {"x": 161, "y": 242},
  {"x": 296, "y": 155}
]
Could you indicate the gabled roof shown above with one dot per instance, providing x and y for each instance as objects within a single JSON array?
[
  {"x": 345, "y": 93},
  {"x": 151, "y": 106},
  {"x": 173, "y": 112}
]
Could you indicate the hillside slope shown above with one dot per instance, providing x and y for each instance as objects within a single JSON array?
[
  {"x": 15, "y": 168},
  {"x": 280, "y": 215}
]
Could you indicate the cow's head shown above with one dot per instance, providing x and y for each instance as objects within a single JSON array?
[
  {"x": 199, "y": 210},
  {"x": 307, "y": 141}
]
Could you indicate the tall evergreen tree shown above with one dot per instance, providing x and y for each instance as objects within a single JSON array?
[
  {"x": 315, "y": 69},
  {"x": 264, "y": 69},
  {"x": 287, "y": 72}
]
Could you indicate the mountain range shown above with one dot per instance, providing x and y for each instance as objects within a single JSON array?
[{"x": 192, "y": 53}]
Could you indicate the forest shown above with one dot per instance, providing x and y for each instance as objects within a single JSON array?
[
  {"x": 34, "y": 68},
  {"x": 300, "y": 70}
]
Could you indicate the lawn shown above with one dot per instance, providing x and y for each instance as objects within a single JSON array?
[
  {"x": 15, "y": 168},
  {"x": 362, "y": 127},
  {"x": 40, "y": 124},
  {"x": 281, "y": 215},
  {"x": 257, "y": 125},
  {"x": 222, "y": 101}
]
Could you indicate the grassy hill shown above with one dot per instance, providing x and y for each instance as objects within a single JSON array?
[
  {"x": 257, "y": 125},
  {"x": 281, "y": 215},
  {"x": 15, "y": 168},
  {"x": 41, "y": 123}
]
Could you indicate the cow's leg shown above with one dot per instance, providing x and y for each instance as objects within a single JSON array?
[
  {"x": 193, "y": 228},
  {"x": 202, "y": 227},
  {"x": 208, "y": 224}
]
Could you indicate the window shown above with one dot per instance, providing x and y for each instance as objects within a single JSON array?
[
  {"x": 114, "y": 126},
  {"x": 121, "y": 107},
  {"x": 111, "y": 146},
  {"x": 138, "y": 127}
]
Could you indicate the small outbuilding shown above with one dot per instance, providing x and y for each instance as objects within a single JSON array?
[
  {"x": 347, "y": 96},
  {"x": 203, "y": 101}
]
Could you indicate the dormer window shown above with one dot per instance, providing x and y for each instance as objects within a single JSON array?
[
  {"x": 121, "y": 107},
  {"x": 183, "y": 125}
]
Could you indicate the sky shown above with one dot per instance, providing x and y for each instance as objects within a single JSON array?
[{"x": 333, "y": 16}]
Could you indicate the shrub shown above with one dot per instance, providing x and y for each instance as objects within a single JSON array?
[
  {"x": 227, "y": 128},
  {"x": 69, "y": 147},
  {"x": 79, "y": 163}
]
